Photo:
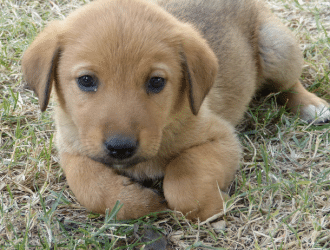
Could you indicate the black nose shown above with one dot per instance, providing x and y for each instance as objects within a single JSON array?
[{"x": 121, "y": 147}]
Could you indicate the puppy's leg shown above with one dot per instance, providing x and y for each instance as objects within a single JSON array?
[
  {"x": 281, "y": 62},
  {"x": 311, "y": 107},
  {"x": 98, "y": 187},
  {"x": 194, "y": 181}
]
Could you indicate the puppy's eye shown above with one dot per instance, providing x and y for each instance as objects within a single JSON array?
[
  {"x": 155, "y": 84},
  {"x": 87, "y": 83}
]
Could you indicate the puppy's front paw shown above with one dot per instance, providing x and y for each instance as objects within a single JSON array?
[
  {"x": 98, "y": 188},
  {"x": 139, "y": 201}
]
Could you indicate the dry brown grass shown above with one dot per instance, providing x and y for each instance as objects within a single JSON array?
[{"x": 280, "y": 198}]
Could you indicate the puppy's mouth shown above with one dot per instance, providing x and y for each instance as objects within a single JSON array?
[{"x": 119, "y": 164}]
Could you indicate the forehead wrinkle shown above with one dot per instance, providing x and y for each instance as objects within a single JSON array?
[{"x": 120, "y": 30}]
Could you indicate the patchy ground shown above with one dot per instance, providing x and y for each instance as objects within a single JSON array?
[{"x": 280, "y": 198}]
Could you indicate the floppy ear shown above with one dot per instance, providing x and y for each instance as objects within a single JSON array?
[
  {"x": 39, "y": 63},
  {"x": 200, "y": 67}
]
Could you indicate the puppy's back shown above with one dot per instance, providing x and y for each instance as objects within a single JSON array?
[{"x": 217, "y": 20}]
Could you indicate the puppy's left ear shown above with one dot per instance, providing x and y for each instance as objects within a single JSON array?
[
  {"x": 200, "y": 67},
  {"x": 39, "y": 63}
]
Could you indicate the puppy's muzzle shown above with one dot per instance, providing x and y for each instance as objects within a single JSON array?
[{"x": 121, "y": 147}]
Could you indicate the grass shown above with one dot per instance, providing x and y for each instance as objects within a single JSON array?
[{"x": 279, "y": 200}]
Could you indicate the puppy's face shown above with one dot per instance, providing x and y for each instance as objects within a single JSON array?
[
  {"x": 120, "y": 91},
  {"x": 122, "y": 71}
]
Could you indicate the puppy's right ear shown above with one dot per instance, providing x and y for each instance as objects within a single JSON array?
[
  {"x": 40, "y": 61},
  {"x": 200, "y": 66}
]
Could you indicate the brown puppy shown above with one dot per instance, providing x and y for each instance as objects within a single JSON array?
[{"x": 149, "y": 91}]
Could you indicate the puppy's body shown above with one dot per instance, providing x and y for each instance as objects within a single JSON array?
[
  {"x": 253, "y": 49},
  {"x": 231, "y": 29},
  {"x": 213, "y": 56}
]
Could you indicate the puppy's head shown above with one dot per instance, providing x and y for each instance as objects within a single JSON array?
[{"x": 122, "y": 71}]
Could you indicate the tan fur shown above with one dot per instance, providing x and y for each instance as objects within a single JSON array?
[{"x": 214, "y": 55}]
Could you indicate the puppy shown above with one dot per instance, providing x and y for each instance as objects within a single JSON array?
[{"x": 154, "y": 90}]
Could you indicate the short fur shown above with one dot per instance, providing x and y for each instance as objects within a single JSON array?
[{"x": 214, "y": 55}]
